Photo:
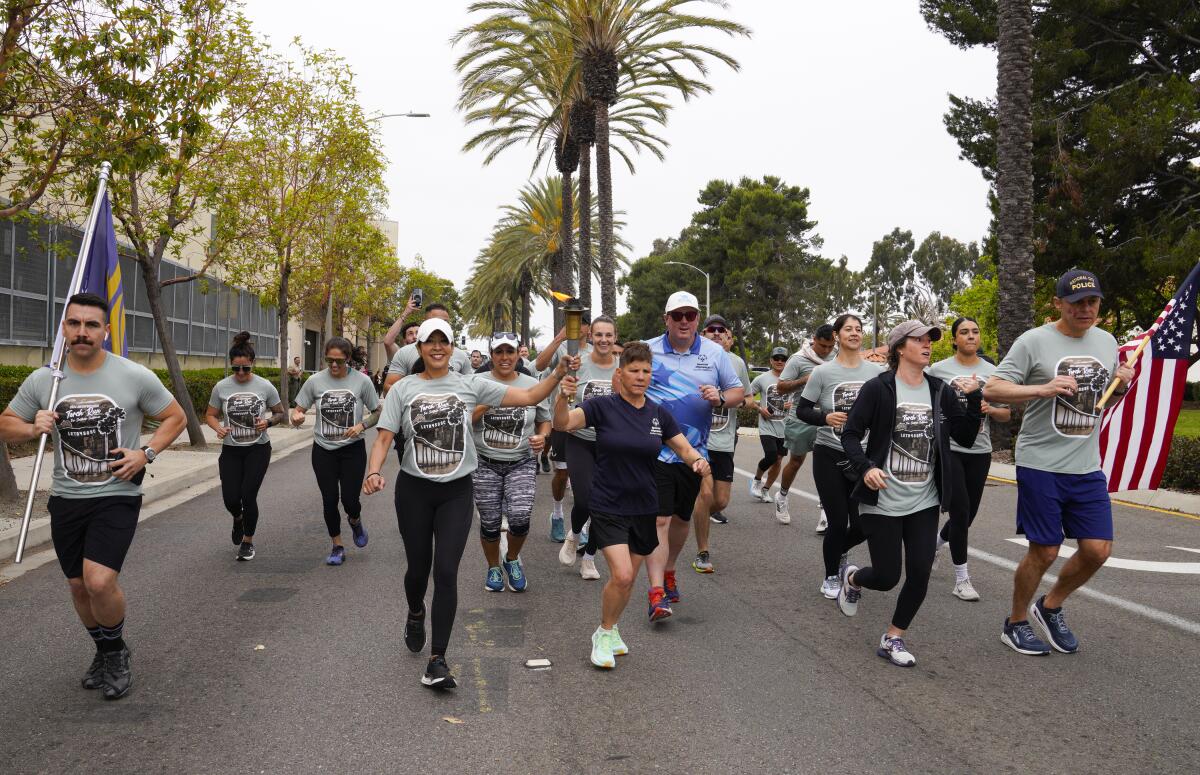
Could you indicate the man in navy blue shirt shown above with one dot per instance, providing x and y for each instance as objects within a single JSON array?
[{"x": 631, "y": 430}]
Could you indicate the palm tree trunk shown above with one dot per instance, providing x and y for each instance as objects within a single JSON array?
[
  {"x": 583, "y": 208},
  {"x": 526, "y": 286},
  {"x": 561, "y": 270},
  {"x": 1014, "y": 181},
  {"x": 608, "y": 264}
]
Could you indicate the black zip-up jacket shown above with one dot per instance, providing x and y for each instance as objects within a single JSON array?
[{"x": 875, "y": 410}]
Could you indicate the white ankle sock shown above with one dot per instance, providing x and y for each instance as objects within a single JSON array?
[
  {"x": 960, "y": 572},
  {"x": 558, "y": 510}
]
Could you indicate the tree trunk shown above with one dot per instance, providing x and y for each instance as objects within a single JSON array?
[
  {"x": 284, "y": 272},
  {"x": 9, "y": 491},
  {"x": 561, "y": 271},
  {"x": 1014, "y": 180},
  {"x": 526, "y": 282},
  {"x": 608, "y": 264},
  {"x": 162, "y": 326},
  {"x": 583, "y": 208}
]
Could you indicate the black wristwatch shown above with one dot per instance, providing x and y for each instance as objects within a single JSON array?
[
  {"x": 721, "y": 396},
  {"x": 150, "y": 454}
]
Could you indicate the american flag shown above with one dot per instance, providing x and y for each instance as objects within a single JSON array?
[{"x": 1135, "y": 433}]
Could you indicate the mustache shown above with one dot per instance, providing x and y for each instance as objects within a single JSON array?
[{"x": 81, "y": 340}]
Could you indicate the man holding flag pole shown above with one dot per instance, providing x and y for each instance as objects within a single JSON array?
[{"x": 92, "y": 402}]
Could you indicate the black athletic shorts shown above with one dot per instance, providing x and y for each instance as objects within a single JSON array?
[
  {"x": 96, "y": 529},
  {"x": 558, "y": 446},
  {"x": 640, "y": 532},
  {"x": 721, "y": 464},
  {"x": 678, "y": 488}
]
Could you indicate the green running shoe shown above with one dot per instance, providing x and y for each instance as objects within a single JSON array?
[{"x": 602, "y": 650}]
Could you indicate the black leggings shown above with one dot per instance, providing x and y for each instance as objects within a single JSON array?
[
  {"x": 340, "y": 469},
  {"x": 581, "y": 465},
  {"x": 886, "y": 537},
  {"x": 435, "y": 522},
  {"x": 242, "y": 470},
  {"x": 773, "y": 450},
  {"x": 970, "y": 473},
  {"x": 841, "y": 511}
]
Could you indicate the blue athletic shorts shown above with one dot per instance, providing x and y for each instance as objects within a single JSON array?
[{"x": 1051, "y": 506}]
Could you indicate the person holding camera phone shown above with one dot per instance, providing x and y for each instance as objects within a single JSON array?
[{"x": 416, "y": 300}]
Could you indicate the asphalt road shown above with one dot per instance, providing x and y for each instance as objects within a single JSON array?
[{"x": 755, "y": 673}]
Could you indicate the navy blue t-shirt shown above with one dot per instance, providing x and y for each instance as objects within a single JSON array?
[{"x": 628, "y": 441}]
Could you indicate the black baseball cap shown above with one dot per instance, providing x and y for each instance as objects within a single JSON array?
[
  {"x": 714, "y": 320},
  {"x": 1077, "y": 284}
]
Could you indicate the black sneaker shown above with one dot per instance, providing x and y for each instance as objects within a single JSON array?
[
  {"x": 719, "y": 518},
  {"x": 437, "y": 674},
  {"x": 245, "y": 552},
  {"x": 238, "y": 531},
  {"x": 545, "y": 464},
  {"x": 414, "y": 633},
  {"x": 91, "y": 679},
  {"x": 117, "y": 678}
]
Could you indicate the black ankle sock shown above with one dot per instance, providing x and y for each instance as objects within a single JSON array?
[
  {"x": 417, "y": 616},
  {"x": 97, "y": 634},
  {"x": 111, "y": 637}
]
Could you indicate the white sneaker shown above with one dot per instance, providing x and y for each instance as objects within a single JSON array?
[
  {"x": 822, "y": 523},
  {"x": 587, "y": 569},
  {"x": 781, "y": 509},
  {"x": 756, "y": 489},
  {"x": 566, "y": 555},
  {"x": 602, "y": 651},
  {"x": 830, "y": 587},
  {"x": 894, "y": 651},
  {"x": 937, "y": 552},
  {"x": 964, "y": 590},
  {"x": 848, "y": 594}
]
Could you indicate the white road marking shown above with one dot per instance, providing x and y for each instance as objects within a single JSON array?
[
  {"x": 1144, "y": 565},
  {"x": 1184, "y": 549}
]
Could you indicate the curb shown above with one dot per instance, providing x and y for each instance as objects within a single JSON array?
[{"x": 201, "y": 477}]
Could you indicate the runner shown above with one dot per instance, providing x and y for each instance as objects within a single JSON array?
[
  {"x": 546, "y": 360},
  {"x": 399, "y": 329},
  {"x": 594, "y": 378},
  {"x": 339, "y": 455},
  {"x": 249, "y": 404},
  {"x": 907, "y": 475},
  {"x": 773, "y": 408},
  {"x": 691, "y": 376},
  {"x": 826, "y": 401},
  {"x": 630, "y": 429},
  {"x": 722, "y": 440},
  {"x": 1061, "y": 369},
  {"x": 507, "y": 439},
  {"x": 476, "y": 359},
  {"x": 970, "y": 465},
  {"x": 435, "y": 408},
  {"x": 800, "y": 436},
  {"x": 99, "y": 462}
]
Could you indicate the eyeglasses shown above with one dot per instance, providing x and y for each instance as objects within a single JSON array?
[
  {"x": 688, "y": 315},
  {"x": 241, "y": 369},
  {"x": 336, "y": 361},
  {"x": 715, "y": 330}
]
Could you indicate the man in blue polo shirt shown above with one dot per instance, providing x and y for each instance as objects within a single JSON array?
[{"x": 692, "y": 375}]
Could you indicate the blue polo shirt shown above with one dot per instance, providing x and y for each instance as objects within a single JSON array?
[{"x": 675, "y": 385}]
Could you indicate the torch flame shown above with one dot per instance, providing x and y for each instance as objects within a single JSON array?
[{"x": 563, "y": 297}]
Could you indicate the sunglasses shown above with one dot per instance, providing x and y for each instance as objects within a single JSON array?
[
  {"x": 688, "y": 315},
  {"x": 778, "y": 358},
  {"x": 336, "y": 361},
  {"x": 716, "y": 329},
  {"x": 241, "y": 369}
]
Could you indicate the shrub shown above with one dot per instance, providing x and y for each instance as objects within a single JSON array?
[
  {"x": 1192, "y": 392},
  {"x": 1183, "y": 465}
]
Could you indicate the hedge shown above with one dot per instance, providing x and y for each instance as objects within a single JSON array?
[{"x": 1183, "y": 465}]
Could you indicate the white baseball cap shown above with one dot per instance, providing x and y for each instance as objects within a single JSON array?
[
  {"x": 681, "y": 299},
  {"x": 434, "y": 324}
]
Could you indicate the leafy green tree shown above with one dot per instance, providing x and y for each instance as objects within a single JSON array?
[
  {"x": 944, "y": 266},
  {"x": 889, "y": 277}
]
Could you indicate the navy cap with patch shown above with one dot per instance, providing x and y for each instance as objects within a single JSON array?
[{"x": 1077, "y": 284}]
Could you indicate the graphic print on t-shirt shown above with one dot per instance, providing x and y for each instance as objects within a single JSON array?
[
  {"x": 720, "y": 420},
  {"x": 242, "y": 410},
  {"x": 776, "y": 400},
  {"x": 504, "y": 426},
  {"x": 912, "y": 444},
  {"x": 594, "y": 388},
  {"x": 335, "y": 414},
  {"x": 958, "y": 384},
  {"x": 439, "y": 433},
  {"x": 1076, "y": 415},
  {"x": 89, "y": 428},
  {"x": 844, "y": 396}
]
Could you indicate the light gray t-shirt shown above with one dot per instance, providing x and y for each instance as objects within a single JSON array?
[
  {"x": 766, "y": 386},
  {"x": 952, "y": 371},
  {"x": 594, "y": 381},
  {"x": 910, "y": 486},
  {"x": 798, "y": 367},
  {"x": 834, "y": 388},
  {"x": 503, "y": 432},
  {"x": 722, "y": 434},
  {"x": 407, "y": 356},
  {"x": 97, "y": 413},
  {"x": 339, "y": 405},
  {"x": 1061, "y": 435},
  {"x": 241, "y": 405},
  {"x": 434, "y": 417},
  {"x": 584, "y": 350}
]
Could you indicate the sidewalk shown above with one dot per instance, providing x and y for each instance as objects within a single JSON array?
[{"x": 177, "y": 469}]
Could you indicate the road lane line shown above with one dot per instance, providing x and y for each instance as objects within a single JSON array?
[{"x": 1151, "y": 566}]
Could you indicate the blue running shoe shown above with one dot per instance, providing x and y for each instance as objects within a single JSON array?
[
  {"x": 337, "y": 556},
  {"x": 495, "y": 581},
  {"x": 1053, "y": 624},
  {"x": 659, "y": 607},
  {"x": 558, "y": 533},
  {"x": 514, "y": 574},
  {"x": 360, "y": 533},
  {"x": 1019, "y": 637}
]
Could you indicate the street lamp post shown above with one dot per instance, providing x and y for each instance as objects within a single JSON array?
[
  {"x": 707, "y": 310},
  {"x": 399, "y": 115}
]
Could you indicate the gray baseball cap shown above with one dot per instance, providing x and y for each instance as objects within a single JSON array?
[
  {"x": 913, "y": 328},
  {"x": 779, "y": 352}
]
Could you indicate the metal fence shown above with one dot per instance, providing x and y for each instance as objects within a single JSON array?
[{"x": 36, "y": 261}]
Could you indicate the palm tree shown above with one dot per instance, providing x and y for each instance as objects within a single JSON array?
[
  {"x": 629, "y": 41},
  {"x": 1014, "y": 179}
]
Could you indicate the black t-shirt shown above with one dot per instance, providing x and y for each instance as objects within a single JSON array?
[{"x": 628, "y": 441}]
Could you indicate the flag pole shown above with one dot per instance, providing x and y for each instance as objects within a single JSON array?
[
  {"x": 1113, "y": 385},
  {"x": 60, "y": 349}
]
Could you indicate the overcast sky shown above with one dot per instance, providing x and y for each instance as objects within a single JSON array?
[{"x": 843, "y": 98}]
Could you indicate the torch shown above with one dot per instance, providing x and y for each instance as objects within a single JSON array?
[{"x": 573, "y": 311}]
